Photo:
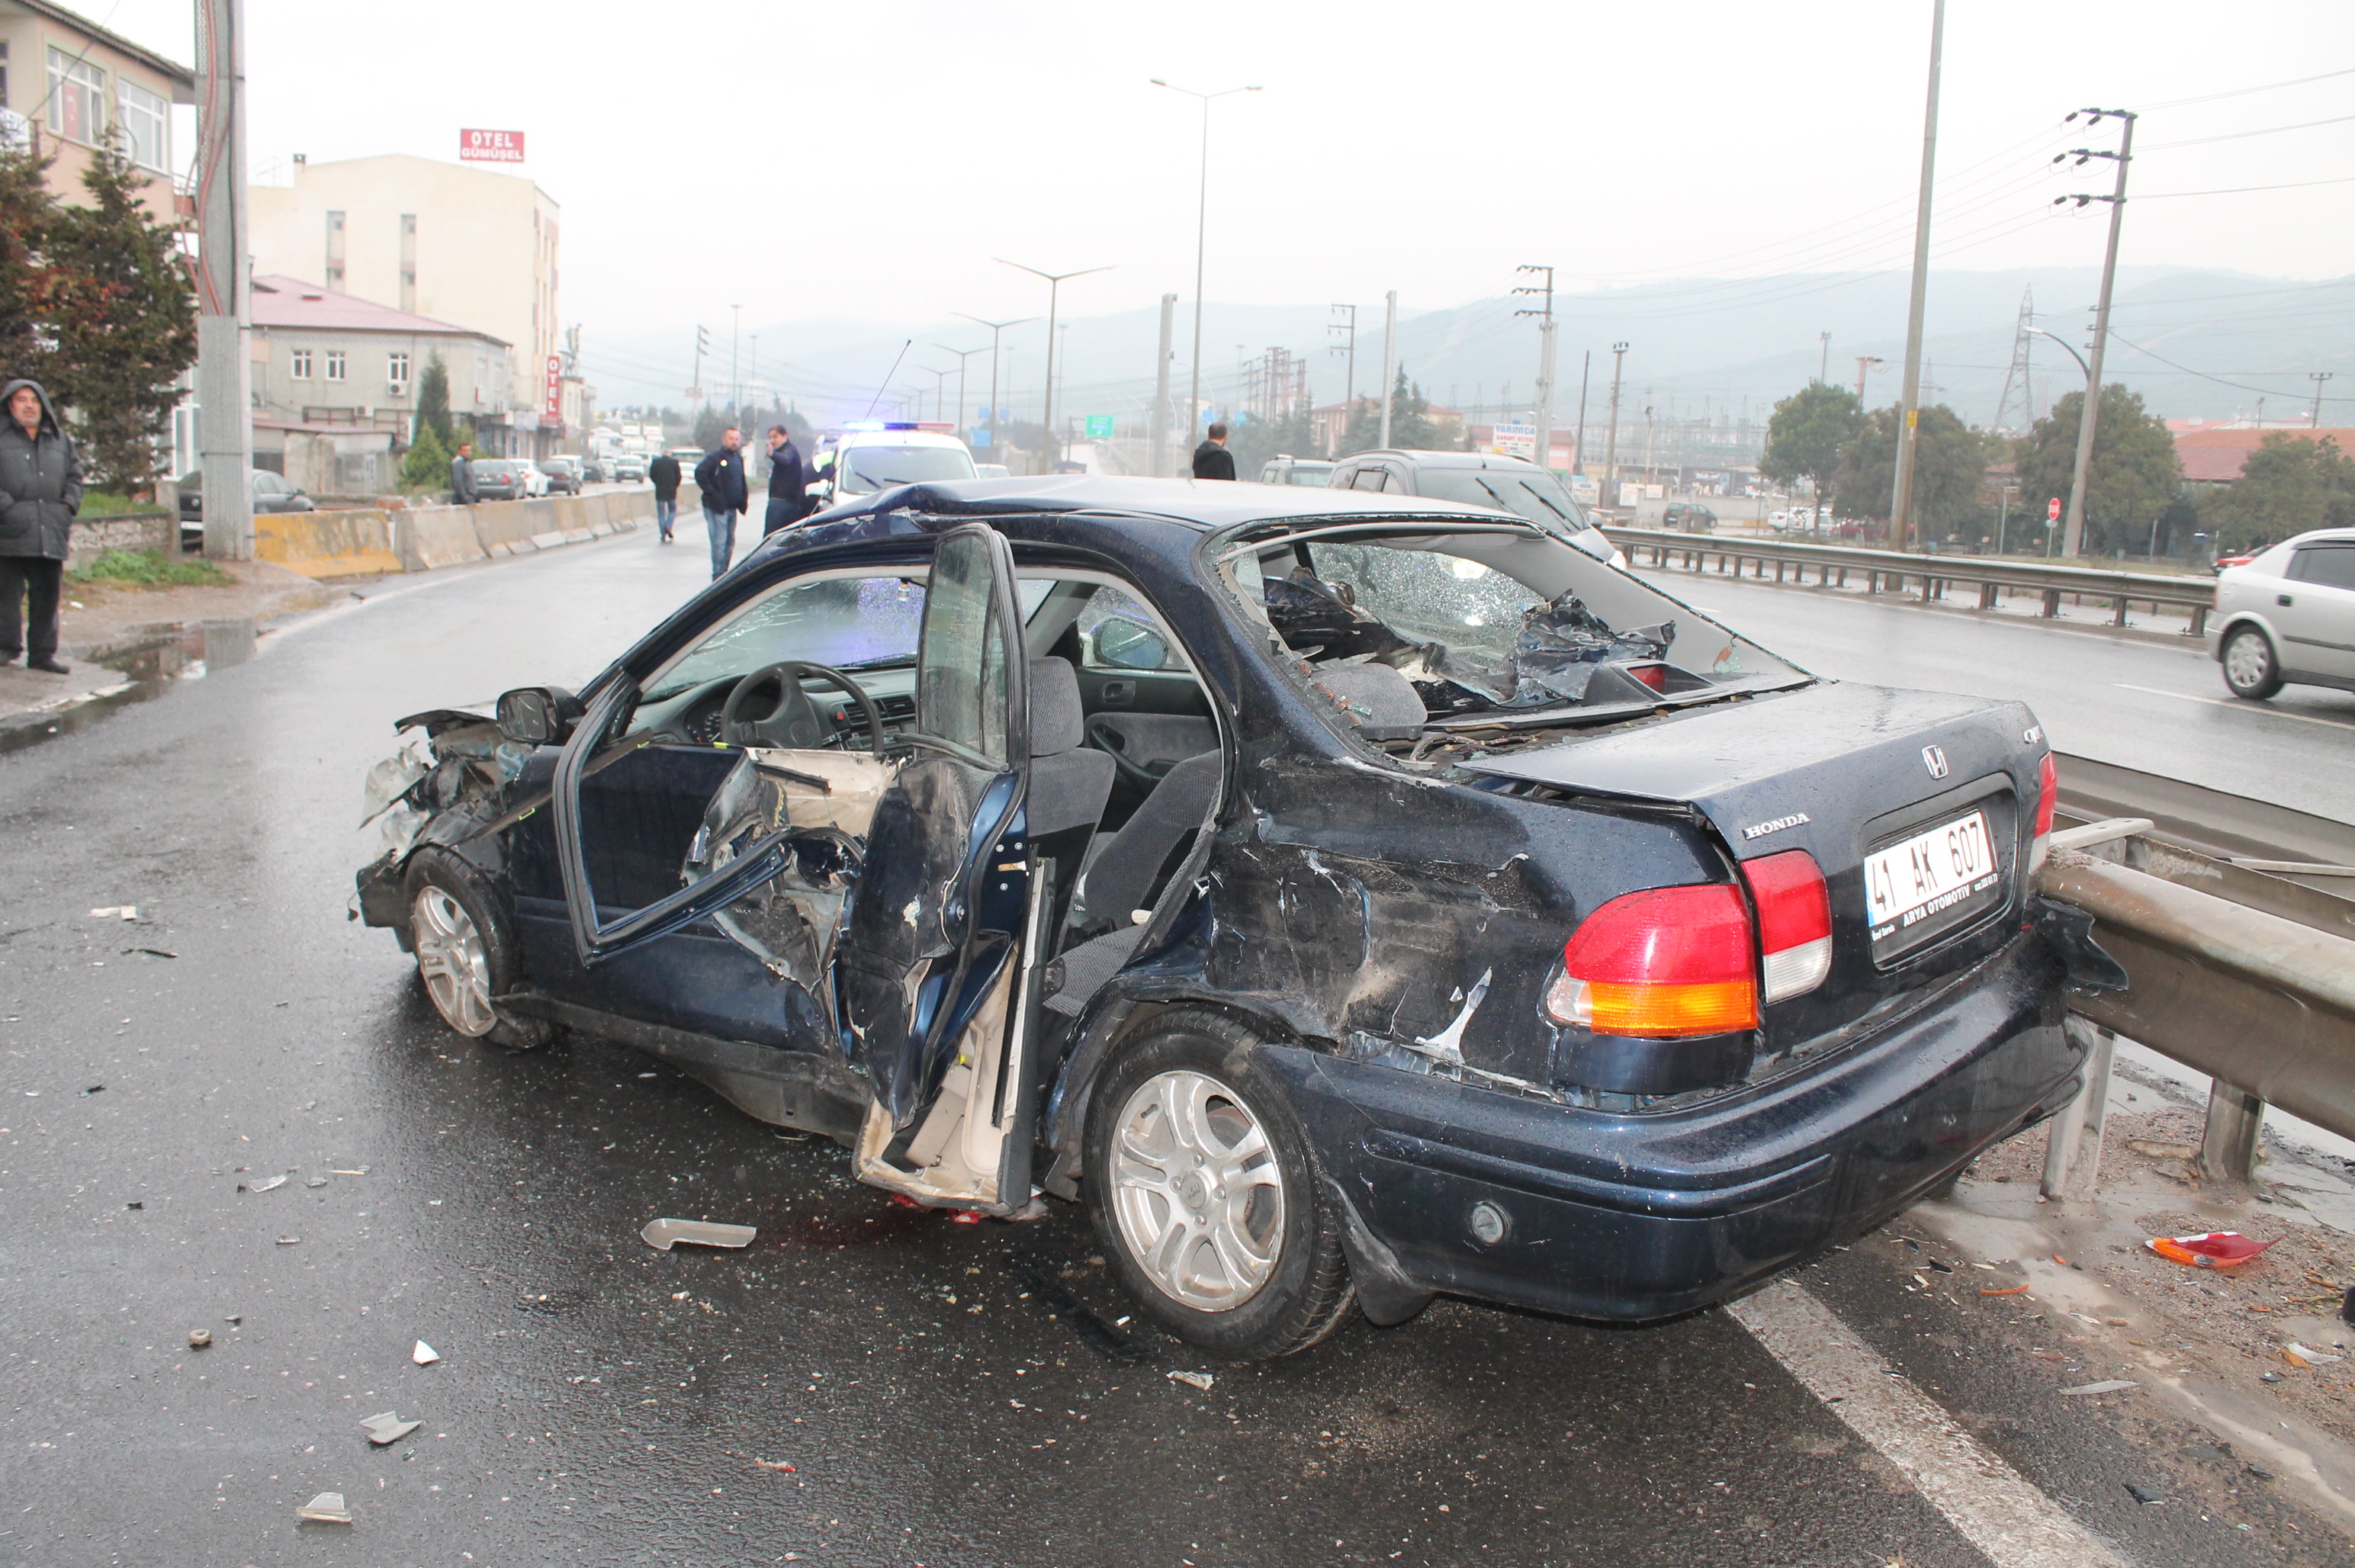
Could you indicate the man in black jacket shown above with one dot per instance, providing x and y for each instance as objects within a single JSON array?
[
  {"x": 1211, "y": 459},
  {"x": 721, "y": 476},
  {"x": 462, "y": 476},
  {"x": 788, "y": 482},
  {"x": 663, "y": 472},
  {"x": 40, "y": 491}
]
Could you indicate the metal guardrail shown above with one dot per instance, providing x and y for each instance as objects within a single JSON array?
[
  {"x": 1889, "y": 571},
  {"x": 2238, "y": 966}
]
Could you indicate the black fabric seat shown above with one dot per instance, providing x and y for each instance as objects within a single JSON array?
[{"x": 1123, "y": 871}]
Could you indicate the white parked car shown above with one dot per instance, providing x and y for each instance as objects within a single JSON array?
[
  {"x": 534, "y": 477},
  {"x": 878, "y": 457},
  {"x": 2288, "y": 617}
]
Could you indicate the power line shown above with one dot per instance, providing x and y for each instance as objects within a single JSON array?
[
  {"x": 2243, "y": 92},
  {"x": 2240, "y": 189},
  {"x": 2236, "y": 136},
  {"x": 2263, "y": 392}
]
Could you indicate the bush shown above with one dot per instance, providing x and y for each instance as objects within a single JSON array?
[
  {"x": 148, "y": 569},
  {"x": 108, "y": 504},
  {"x": 427, "y": 467}
]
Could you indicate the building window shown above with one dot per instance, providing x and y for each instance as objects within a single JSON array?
[
  {"x": 409, "y": 260},
  {"x": 147, "y": 126},
  {"x": 334, "y": 364},
  {"x": 302, "y": 364},
  {"x": 336, "y": 250},
  {"x": 76, "y": 98},
  {"x": 396, "y": 370}
]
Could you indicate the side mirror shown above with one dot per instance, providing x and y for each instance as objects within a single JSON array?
[
  {"x": 1124, "y": 645},
  {"x": 537, "y": 715}
]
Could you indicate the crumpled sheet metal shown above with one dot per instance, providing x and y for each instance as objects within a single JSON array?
[
  {"x": 829, "y": 799},
  {"x": 664, "y": 1234}
]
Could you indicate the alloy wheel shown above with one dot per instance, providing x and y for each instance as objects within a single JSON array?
[
  {"x": 1197, "y": 1191},
  {"x": 451, "y": 960}
]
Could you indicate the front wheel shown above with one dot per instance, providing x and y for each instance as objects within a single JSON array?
[
  {"x": 2251, "y": 671},
  {"x": 1205, "y": 1194},
  {"x": 466, "y": 952}
]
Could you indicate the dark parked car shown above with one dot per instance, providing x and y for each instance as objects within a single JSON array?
[
  {"x": 501, "y": 479},
  {"x": 1478, "y": 479},
  {"x": 1349, "y": 897},
  {"x": 271, "y": 493},
  {"x": 564, "y": 474},
  {"x": 1688, "y": 518}
]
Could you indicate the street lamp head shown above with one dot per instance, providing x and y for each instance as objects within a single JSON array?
[{"x": 1158, "y": 82}]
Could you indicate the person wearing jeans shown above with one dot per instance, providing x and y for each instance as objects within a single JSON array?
[
  {"x": 40, "y": 491},
  {"x": 720, "y": 477},
  {"x": 663, "y": 472}
]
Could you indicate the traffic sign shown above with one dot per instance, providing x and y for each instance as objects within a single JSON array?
[
  {"x": 1099, "y": 427},
  {"x": 695, "y": 391},
  {"x": 2053, "y": 510},
  {"x": 981, "y": 436}
]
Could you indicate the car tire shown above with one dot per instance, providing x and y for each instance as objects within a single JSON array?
[
  {"x": 1184, "y": 1085},
  {"x": 2250, "y": 671},
  {"x": 466, "y": 952}
]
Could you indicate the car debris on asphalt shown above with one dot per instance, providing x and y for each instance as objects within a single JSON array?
[
  {"x": 327, "y": 1508},
  {"x": 124, "y": 912},
  {"x": 271, "y": 1185},
  {"x": 2107, "y": 1385},
  {"x": 2216, "y": 1249},
  {"x": 664, "y": 1234},
  {"x": 424, "y": 1355},
  {"x": 199, "y": 1337},
  {"x": 1193, "y": 1379},
  {"x": 386, "y": 1426}
]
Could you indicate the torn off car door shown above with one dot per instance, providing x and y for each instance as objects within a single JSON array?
[{"x": 936, "y": 967}]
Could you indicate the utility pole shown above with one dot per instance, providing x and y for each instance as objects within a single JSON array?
[
  {"x": 702, "y": 346},
  {"x": 2072, "y": 543},
  {"x": 994, "y": 329},
  {"x": 1348, "y": 349},
  {"x": 224, "y": 286},
  {"x": 1824, "y": 373},
  {"x": 1611, "y": 443},
  {"x": 1545, "y": 363},
  {"x": 1908, "y": 398},
  {"x": 1390, "y": 359},
  {"x": 1201, "y": 228},
  {"x": 1054, "y": 287},
  {"x": 1578, "y": 458},
  {"x": 2317, "y": 378},
  {"x": 1865, "y": 362},
  {"x": 735, "y": 363},
  {"x": 1159, "y": 464}
]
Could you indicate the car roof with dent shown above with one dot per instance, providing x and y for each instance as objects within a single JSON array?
[{"x": 1205, "y": 503}]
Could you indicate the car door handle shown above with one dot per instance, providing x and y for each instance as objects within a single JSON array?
[
  {"x": 1118, "y": 693},
  {"x": 2282, "y": 600}
]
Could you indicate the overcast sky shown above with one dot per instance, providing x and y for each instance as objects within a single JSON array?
[{"x": 866, "y": 162}]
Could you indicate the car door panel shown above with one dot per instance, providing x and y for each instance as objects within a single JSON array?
[{"x": 2314, "y": 608}]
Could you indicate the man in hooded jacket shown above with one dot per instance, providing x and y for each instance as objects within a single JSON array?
[{"x": 40, "y": 491}]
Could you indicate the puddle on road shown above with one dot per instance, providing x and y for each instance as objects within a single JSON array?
[{"x": 149, "y": 663}]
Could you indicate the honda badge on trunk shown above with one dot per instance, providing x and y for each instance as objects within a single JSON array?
[{"x": 1935, "y": 759}]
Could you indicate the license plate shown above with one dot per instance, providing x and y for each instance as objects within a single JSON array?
[{"x": 1933, "y": 880}]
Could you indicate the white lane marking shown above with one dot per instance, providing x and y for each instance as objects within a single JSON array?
[
  {"x": 2235, "y": 703},
  {"x": 1985, "y": 1498}
]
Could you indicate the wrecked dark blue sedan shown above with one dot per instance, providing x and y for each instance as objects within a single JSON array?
[{"x": 1349, "y": 899}]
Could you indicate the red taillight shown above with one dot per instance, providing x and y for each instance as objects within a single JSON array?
[
  {"x": 1795, "y": 920},
  {"x": 1651, "y": 675},
  {"x": 2047, "y": 793},
  {"x": 1669, "y": 961}
]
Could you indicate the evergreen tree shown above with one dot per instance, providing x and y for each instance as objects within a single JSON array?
[
  {"x": 2134, "y": 474},
  {"x": 433, "y": 408},
  {"x": 1412, "y": 427},
  {"x": 427, "y": 467},
  {"x": 27, "y": 210},
  {"x": 2288, "y": 486},
  {"x": 125, "y": 311}
]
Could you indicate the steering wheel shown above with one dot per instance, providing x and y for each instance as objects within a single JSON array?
[
  {"x": 1107, "y": 739},
  {"x": 781, "y": 713}
]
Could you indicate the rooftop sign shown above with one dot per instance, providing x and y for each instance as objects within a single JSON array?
[{"x": 490, "y": 146}]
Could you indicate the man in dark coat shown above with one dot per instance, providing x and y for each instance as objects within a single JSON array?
[
  {"x": 663, "y": 472},
  {"x": 1211, "y": 459},
  {"x": 720, "y": 477},
  {"x": 40, "y": 491},
  {"x": 462, "y": 475},
  {"x": 788, "y": 482}
]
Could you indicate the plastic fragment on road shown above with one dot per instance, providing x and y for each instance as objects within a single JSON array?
[
  {"x": 774, "y": 1465},
  {"x": 2298, "y": 1354},
  {"x": 1193, "y": 1379},
  {"x": 2217, "y": 1249},
  {"x": 290, "y": 1241},
  {"x": 2143, "y": 1494},
  {"x": 327, "y": 1508},
  {"x": 199, "y": 1337},
  {"x": 424, "y": 1355},
  {"x": 2007, "y": 1290},
  {"x": 2107, "y": 1385},
  {"x": 386, "y": 1426},
  {"x": 664, "y": 1234},
  {"x": 271, "y": 1185},
  {"x": 316, "y": 1182},
  {"x": 112, "y": 912}
]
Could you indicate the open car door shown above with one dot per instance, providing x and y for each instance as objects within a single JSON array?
[{"x": 937, "y": 968}]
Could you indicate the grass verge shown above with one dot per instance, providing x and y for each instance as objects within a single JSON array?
[{"x": 147, "y": 569}]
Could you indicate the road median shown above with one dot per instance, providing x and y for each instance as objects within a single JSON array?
[{"x": 375, "y": 541}]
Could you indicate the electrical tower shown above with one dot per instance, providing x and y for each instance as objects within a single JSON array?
[{"x": 2016, "y": 384}]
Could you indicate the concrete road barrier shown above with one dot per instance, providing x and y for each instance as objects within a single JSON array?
[
  {"x": 329, "y": 544},
  {"x": 431, "y": 537},
  {"x": 368, "y": 541}
]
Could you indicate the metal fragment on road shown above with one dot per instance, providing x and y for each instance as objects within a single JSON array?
[
  {"x": 664, "y": 1234},
  {"x": 125, "y": 912},
  {"x": 290, "y": 1241},
  {"x": 327, "y": 1508},
  {"x": 386, "y": 1426},
  {"x": 272, "y": 1185},
  {"x": 424, "y": 1355},
  {"x": 1193, "y": 1379},
  {"x": 2107, "y": 1385}
]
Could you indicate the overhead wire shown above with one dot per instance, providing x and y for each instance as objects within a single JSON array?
[
  {"x": 2236, "y": 136},
  {"x": 2243, "y": 92}
]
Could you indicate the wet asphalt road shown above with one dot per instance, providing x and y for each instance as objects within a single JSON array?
[{"x": 943, "y": 1393}]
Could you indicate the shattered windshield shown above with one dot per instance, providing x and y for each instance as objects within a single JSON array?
[{"x": 1515, "y": 627}]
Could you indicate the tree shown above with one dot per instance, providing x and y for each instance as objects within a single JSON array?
[
  {"x": 125, "y": 311},
  {"x": 427, "y": 467},
  {"x": 1806, "y": 434},
  {"x": 2135, "y": 476},
  {"x": 1253, "y": 440},
  {"x": 709, "y": 424},
  {"x": 27, "y": 210},
  {"x": 2288, "y": 486},
  {"x": 433, "y": 409},
  {"x": 1412, "y": 427},
  {"x": 1949, "y": 461}
]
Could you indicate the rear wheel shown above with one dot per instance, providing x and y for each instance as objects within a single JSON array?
[
  {"x": 2250, "y": 671},
  {"x": 466, "y": 952},
  {"x": 1207, "y": 1196}
]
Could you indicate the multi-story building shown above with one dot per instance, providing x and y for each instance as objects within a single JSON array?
[
  {"x": 441, "y": 240},
  {"x": 67, "y": 85},
  {"x": 336, "y": 377}
]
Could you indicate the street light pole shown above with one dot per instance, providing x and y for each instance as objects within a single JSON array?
[
  {"x": 994, "y": 329},
  {"x": 1054, "y": 288},
  {"x": 1544, "y": 452},
  {"x": 961, "y": 354},
  {"x": 1864, "y": 362},
  {"x": 1390, "y": 360},
  {"x": 2317, "y": 378},
  {"x": 2072, "y": 540},
  {"x": 1201, "y": 229},
  {"x": 1908, "y": 414}
]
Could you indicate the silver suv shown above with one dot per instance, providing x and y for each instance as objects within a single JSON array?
[{"x": 2288, "y": 616}]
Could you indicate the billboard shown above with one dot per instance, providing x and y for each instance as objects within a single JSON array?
[
  {"x": 490, "y": 146},
  {"x": 1514, "y": 440},
  {"x": 553, "y": 409}
]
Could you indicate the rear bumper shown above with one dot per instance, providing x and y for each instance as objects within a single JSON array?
[{"x": 1639, "y": 1217}]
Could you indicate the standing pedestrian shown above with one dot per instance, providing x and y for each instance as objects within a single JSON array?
[
  {"x": 663, "y": 472},
  {"x": 462, "y": 476},
  {"x": 40, "y": 491},
  {"x": 1211, "y": 459},
  {"x": 720, "y": 477},
  {"x": 788, "y": 482}
]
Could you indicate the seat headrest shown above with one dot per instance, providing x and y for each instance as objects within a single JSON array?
[{"x": 1056, "y": 722}]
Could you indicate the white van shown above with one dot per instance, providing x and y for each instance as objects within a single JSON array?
[{"x": 869, "y": 457}]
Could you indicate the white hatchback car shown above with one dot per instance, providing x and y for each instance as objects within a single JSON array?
[
  {"x": 874, "y": 457},
  {"x": 2288, "y": 616}
]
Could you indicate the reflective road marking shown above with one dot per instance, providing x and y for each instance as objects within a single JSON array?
[
  {"x": 2234, "y": 702},
  {"x": 1996, "y": 1509}
]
